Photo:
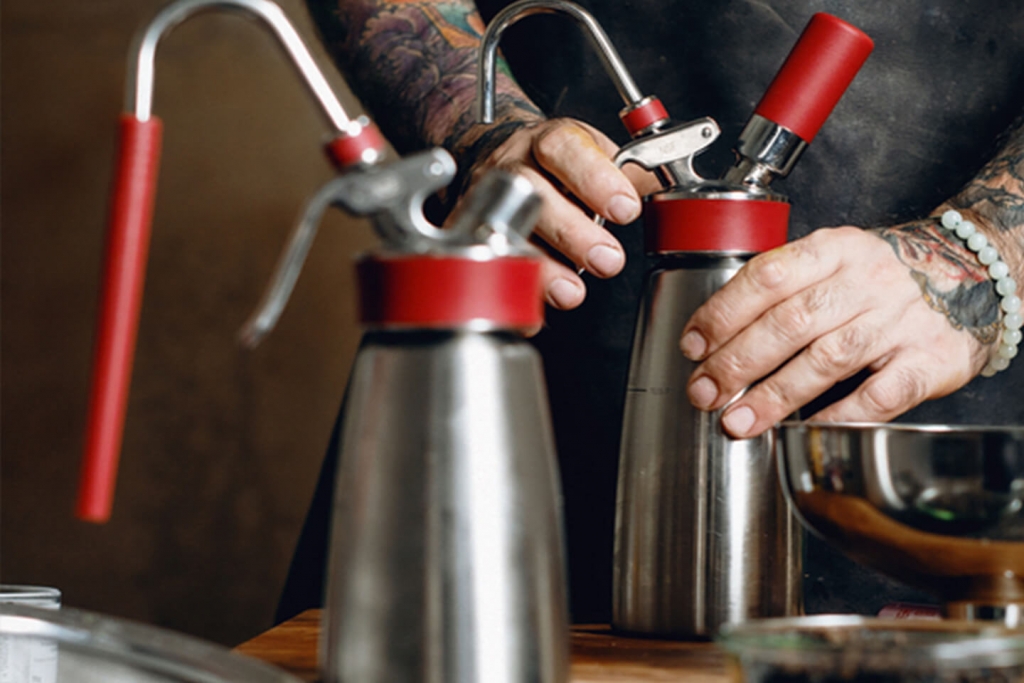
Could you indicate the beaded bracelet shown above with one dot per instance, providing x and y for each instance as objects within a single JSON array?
[{"x": 1006, "y": 287}]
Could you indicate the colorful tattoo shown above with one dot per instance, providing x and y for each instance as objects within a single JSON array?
[
  {"x": 412, "y": 63},
  {"x": 949, "y": 275},
  {"x": 997, "y": 192},
  {"x": 951, "y": 279}
]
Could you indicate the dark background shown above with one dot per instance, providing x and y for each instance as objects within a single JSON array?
[{"x": 222, "y": 445}]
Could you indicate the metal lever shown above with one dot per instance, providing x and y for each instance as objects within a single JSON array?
[
  {"x": 393, "y": 195},
  {"x": 670, "y": 151}
]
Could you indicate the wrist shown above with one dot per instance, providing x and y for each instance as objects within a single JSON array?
[{"x": 1008, "y": 330}]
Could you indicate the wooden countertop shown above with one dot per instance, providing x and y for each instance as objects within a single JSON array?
[{"x": 598, "y": 656}]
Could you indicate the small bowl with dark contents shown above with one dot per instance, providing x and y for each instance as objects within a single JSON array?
[{"x": 853, "y": 649}]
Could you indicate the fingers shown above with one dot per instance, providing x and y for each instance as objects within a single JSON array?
[
  {"x": 568, "y": 230},
  {"x": 902, "y": 383},
  {"x": 579, "y": 157},
  {"x": 904, "y": 376},
  {"x": 771, "y": 340},
  {"x": 828, "y": 359},
  {"x": 564, "y": 159},
  {"x": 765, "y": 281},
  {"x": 794, "y": 322},
  {"x": 570, "y": 163},
  {"x": 563, "y": 288}
]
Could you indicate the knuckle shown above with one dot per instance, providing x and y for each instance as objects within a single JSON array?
[
  {"x": 791, "y": 319},
  {"x": 715, "y": 317},
  {"x": 815, "y": 300},
  {"x": 561, "y": 238},
  {"x": 728, "y": 367},
  {"x": 845, "y": 232},
  {"x": 895, "y": 391},
  {"x": 768, "y": 270},
  {"x": 778, "y": 395},
  {"x": 795, "y": 318},
  {"x": 838, "y": 353},
  {"x": 550, "y": 143}
]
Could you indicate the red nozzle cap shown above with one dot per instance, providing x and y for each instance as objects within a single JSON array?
[{"x": 815, "y": 75}]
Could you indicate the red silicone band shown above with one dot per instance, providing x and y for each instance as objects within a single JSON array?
[
  {"x": 441, "y": 292},
  {"x": 347, "y": 150},
  {"x": 674, "y": 225},
  {"x": 651, "y": 112}
]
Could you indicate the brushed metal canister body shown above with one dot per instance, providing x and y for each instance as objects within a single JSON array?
[
  {"x": 446, "y": 560},
  {"x": 703, "y": 535}
]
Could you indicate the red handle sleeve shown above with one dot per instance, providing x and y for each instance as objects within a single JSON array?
[
  {"x": 131, "y": 212},
  {"x": 815, "y": 75}
]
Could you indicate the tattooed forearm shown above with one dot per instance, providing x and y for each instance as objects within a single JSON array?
[
  {"x": 997, "y": 192},
  {"x": 949, "y": 275},
  {"x": 412, "y": 63},
  {"x": 951, "y": 279}
]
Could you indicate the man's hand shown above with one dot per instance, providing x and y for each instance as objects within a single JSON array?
[
  {"x": 910, "y": 303},
  {"x": 569, "y": 164}
]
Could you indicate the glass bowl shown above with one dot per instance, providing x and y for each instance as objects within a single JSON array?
[
  {"x": 74, "y": 646},
  {"x": 849, "y": 649}
]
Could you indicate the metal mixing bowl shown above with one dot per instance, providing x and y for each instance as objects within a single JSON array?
[{"x": 940, "y": 508}]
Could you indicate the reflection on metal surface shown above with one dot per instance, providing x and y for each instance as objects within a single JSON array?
[
  {"x": 936, "y": 507},
  {"x": 703, "y": 535},
  {"x": 446, "y": 553}
]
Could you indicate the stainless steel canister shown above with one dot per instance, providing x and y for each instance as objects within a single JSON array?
[
  {"x": 704, "y": 536},
  {"x": 446, "y": 561}
]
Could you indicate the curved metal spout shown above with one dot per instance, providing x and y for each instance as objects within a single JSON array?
[
  {"x": 393, "y": 195},
  {"x": 631, "y": 95},
  {"x": 139, "y": 98}
]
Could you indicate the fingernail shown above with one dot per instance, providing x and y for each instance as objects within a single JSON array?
[
  {"x": 565, "y": 293},
  {"x": 739, "y": 420},
  {"x": 604, "y": 260},
  {"x": 623, "y": 209},
  {"x": 693, "y": 345},
  {"x": 703, "y": 392}
]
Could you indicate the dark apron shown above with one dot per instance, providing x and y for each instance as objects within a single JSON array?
[{"x": 946, "y": 78}]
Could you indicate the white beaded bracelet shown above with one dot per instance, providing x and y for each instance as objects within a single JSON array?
[{"x": 1006, "y": 287}]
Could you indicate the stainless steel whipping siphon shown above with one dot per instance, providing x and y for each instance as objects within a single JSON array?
[
  {"x": 446, "y": 560},
  {"x": 703, "y": 535}
]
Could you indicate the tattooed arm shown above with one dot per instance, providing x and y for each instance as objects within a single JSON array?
[
  {"x": 412, "y": 63},
  {"x": 910, "y": 303}
]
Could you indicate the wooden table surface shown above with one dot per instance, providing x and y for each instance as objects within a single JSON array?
[{"x": 598, "y": 656}]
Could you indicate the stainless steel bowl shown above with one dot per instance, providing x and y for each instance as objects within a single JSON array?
[
  {"x": 834, "y": 648},
  {"x": 73, "y": 646},
  {"x": 940, "y": 508}
]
